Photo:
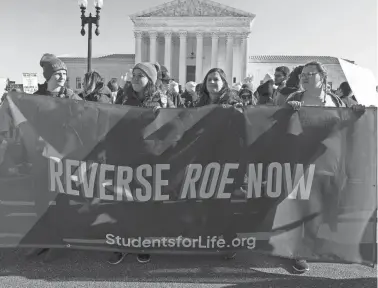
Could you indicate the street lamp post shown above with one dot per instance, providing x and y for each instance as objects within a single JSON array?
[{"x": 90, "y": 20}]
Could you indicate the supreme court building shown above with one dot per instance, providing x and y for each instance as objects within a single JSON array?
[{"x": 190, "y": 37}]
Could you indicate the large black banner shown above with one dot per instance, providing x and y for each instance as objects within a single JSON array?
[{"x": 108, "y": 177}]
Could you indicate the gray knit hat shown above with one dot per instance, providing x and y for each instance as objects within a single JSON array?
[{"x": 150, "y": 69}]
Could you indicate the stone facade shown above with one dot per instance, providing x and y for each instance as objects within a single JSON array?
[{"x": 191, "y": 36}]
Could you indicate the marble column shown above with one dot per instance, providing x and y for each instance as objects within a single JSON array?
[
  {"x": 138, "y": 46},
  {"x": 244, "y": 55},
  {"x": 153, "y": 37},
  {"x": 168, "y": 50},
  {"x": 182, "y": 69},
  {"x": 199, "y": 56},
  {"x": 145, "y": 48},
  {"x": 229, "y": 56},
  {"x": 214, "y": 49}
]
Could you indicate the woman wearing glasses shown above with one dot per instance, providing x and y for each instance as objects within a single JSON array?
[{"x": 313, "y": 81}]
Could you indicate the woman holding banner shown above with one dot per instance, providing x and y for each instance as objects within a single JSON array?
[
  {"x": 216, "y": 90},
  {"x": 142, "y": 91},
  {"x": 313, "y": 80}
]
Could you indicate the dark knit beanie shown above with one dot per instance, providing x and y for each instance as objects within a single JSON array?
[
  {"x": 51, "y": 64},
  {"x": 150, "y": 69}
]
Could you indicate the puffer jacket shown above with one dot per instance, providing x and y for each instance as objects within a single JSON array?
[{"x": 229, "y": 97}]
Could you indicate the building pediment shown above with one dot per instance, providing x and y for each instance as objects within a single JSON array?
[{"x": 192, "y": 8}]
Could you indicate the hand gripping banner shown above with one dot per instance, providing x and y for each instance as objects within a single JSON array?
[{"x": 107, "y": 177}]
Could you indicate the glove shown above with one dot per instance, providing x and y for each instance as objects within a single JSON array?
[
  {"x": 296, "y": 105},
  {"x": 358, "y": 109}
]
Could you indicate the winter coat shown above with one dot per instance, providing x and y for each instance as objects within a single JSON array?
[
  {"x": 229, "y": 97},
  {"x": 187, "y": 98},
  {"x": 281, "y": 95},
  {"x": 63, "y": 93},
  {"x": 176, "y": 100},
  {"x": 101, "y": 94},
  {"x": 297, "y": 96},
  {"x": 128, "y": 97},
  {"x": 265, "y": 93}
]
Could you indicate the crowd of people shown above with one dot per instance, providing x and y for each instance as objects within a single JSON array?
[{"x": 150, "y": 85}]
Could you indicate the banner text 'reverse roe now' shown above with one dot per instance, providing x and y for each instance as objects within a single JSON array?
[{"x": 200, "y": 182}]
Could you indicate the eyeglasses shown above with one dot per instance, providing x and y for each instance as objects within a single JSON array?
[{"x": 308, "y": 75}]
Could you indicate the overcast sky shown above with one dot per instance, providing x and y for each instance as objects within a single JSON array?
[{"x": 341, "y": 28}]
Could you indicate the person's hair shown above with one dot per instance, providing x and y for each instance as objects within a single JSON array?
[
  {"x": 345, "y": 89},
  {"x": 149, "y": 90},
  {"x": 284, "y": 70},
  {"x": 221, "y": 73},
  {"x": 294, "y": 80},
  {"x": 322, "y": 71},
  {"x": 159, "y": 84},
  {"x": 91, "y": 79},
  {"x": 111, "y": 84},
  {"x": 198, "y": 87}
]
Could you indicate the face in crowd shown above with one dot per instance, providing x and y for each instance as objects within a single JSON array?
[
  {"x": 311, "y": 77},
  {"x": 279, "y": 77},
  {"x": 139, "y": 80},
  {"x": 214, "y": 83},
  {"x": 58, "y": 79}
]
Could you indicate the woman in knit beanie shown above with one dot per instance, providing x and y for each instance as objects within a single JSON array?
[{"x": 143, "y": 91}]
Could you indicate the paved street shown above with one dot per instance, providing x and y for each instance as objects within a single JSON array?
[{"x": 89, "y": 269}]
